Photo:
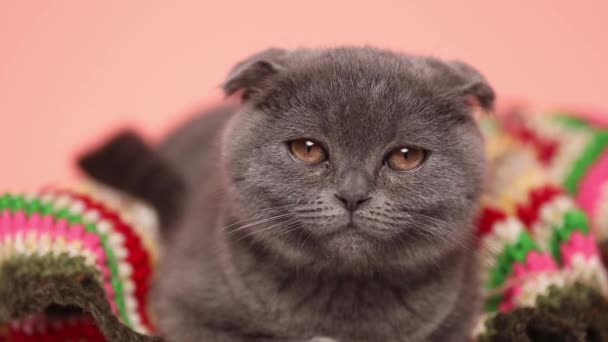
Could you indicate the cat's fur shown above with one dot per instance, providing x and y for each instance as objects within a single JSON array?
[{"x": 263, "y": 251}]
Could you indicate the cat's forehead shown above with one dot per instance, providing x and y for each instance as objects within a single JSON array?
[
  {"x": 358, "y": 99},
  {"x": 343, "y": 81}
]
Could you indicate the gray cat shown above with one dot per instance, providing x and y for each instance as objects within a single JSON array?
[{"x": 335, "y": 204}]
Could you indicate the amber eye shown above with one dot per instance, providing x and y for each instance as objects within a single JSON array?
[
  {"x": 307, "y": 151},
  {"x": 405, "y": 158}
]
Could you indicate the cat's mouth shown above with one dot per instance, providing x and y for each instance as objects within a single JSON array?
[
  {"x": 351, "y": 226},
  {"x": 351, "y": 230}
]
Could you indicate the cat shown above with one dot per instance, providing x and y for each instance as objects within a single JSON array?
[{"x": 334, "y": 203}]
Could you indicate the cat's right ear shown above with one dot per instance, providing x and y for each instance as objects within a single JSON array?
[
  {"x": 476, "y": 88},
  {"x": 252, "y": 74}
]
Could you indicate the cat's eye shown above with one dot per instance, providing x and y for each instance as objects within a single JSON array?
[
  {"x": 307, "y": 151},
  {"x": 405, "y": 158}
]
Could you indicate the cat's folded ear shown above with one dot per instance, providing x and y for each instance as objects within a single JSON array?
[
  {"x": 253, "y": 74},
  {"x": 476, "y": 89}
]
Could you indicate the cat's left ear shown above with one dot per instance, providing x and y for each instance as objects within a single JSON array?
[
  {"x": 254, "y": 73},
  {"x": 476, "y": 89}
]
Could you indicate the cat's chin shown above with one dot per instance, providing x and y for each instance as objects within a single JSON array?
[{"x": 351, "y": 245}]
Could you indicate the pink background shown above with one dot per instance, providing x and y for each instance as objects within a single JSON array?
[{"x": 72, "y": 71}]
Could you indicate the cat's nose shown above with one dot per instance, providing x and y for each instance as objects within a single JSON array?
[
  {"x": 351, "y": 203},
  {"x": 353, "y": 189}
]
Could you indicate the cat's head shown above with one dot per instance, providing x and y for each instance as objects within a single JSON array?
[{"x": 355, "y": 158}]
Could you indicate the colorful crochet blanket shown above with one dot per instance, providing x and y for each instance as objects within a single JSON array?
[
  {"x": 76, "y": 262},
  {"x": 543, "y": 220},
  {"x": 76, "y": 265}
]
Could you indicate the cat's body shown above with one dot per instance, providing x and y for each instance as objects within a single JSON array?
[
  {"x": 206, "y": 296},
  {"x": 361, "y": 231}
]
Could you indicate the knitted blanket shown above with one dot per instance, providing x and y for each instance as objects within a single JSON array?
[{"x": 76, "y": 262}]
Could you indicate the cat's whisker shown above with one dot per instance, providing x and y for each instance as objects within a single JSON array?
[
  {"x": 267, "y": 228},
  {"x": 258, "y": 223},
  {"x": 301, "y": 246},
  {"x": 431, "y": 218},
  {"x": 445, "y": 235},
  {"x": 259, "y": 214},
  {"x": 425, "y": 229},
  {"x": 220, "y": 250},
  {"x": 224, "y": 248},
  {"x": 286, "y": 230}
]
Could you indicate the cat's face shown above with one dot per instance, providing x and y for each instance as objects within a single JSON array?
[{"x": 355, "y": 157}]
